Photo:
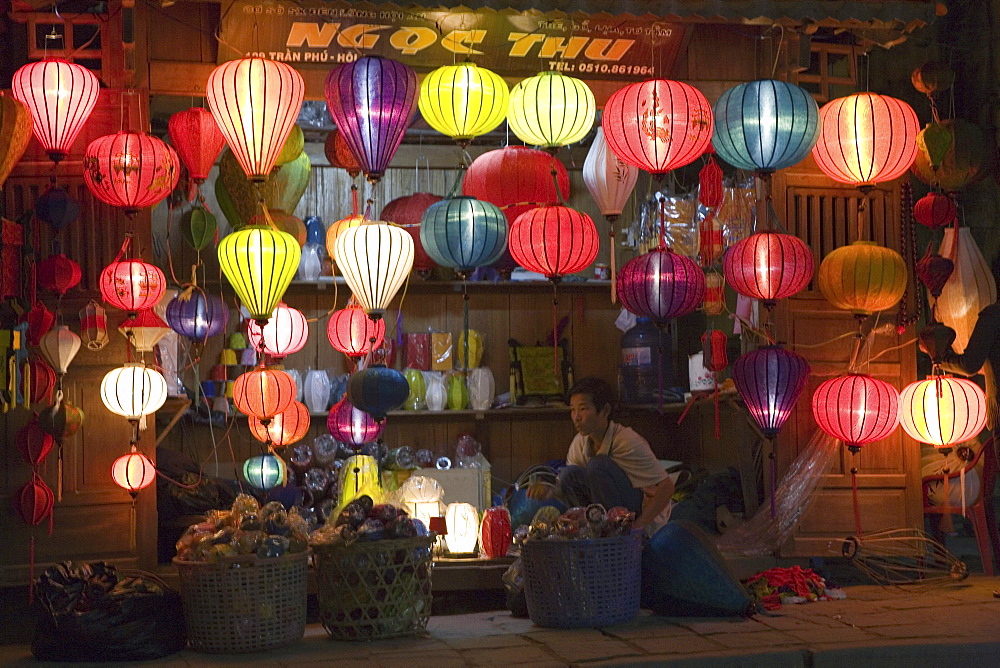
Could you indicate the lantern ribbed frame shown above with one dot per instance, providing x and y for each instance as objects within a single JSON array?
[
  {"x": 407, "y": 212},
  {"x": 658, "y": 125},
  {"x": 551, "y": 109},
  {"x": 609, "y": 179},
  {"x": 259, "y": 262},
  {"x": 131, "y": 170},
  {"x": 770, "y": 380},
  {"x": 463, "y": 101},
  {"x": 133, "y": 390},
  {"x": 59, "y": 346},
  {"x": 264, "y": 392},
  {"x": 375, "y": 259},
  {"x": 765, "y": 125},
  {"x": 59, "y": 274},
  {"x": 769, "y": 266},
  {"x": 265, "y": 471},
  {"x": 554, "y": 241},
  {"x": 350, "y": 331},
  {"x": 661, "y": 285},
  {"x": 197, "y": 139},
  {"x": 942, "y": 410},
  {"x": 60, "y": 96},
  {"x": 286, "y": 332},
  {"x": 856, "y": 408},
  {"x": 463, "y": 233},
  {"x": 339, "y": 154},
  {"x": 866, "y": 139},
  {"x": 132, "y": 285},
  {"x": 351, "y": 425},
  {"x": 133, "y": 471},
  {"x": 199, "y": 317},
  {"x": 935, "y": 210},
  {"x": 287, "y": 427},
  {"x": 862, "y": 277},
  {"x": 255, "y": 103},
  {"x": 145, "y": 330},
  {"x": 377, "y": 389},
  {"x": 372, "y": 102}
]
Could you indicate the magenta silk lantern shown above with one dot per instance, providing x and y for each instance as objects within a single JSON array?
[
  {"x": 285, "y": 333},
  {"x": 132, "y": 285},
  {"x": 661, "y": 285},
  {"x": 770, "y": 380},
  {"x": 352, "y": 425},
  {"x": 131, "y": 170},
  {"x": 769, "y": 266},
  {"x": 553, "y": 241},
  {"x": 856, "y": 409}
]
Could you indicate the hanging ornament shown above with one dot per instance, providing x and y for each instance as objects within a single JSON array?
[
  {"x": 199, "y": 317},
  {"x": 463, "y": 233},
  {"x": 934, "y": 271},
  {"x": 264, "y": 392},
  {"x": 715, "y": 294},
  {"x": 463, "y": 101},
  {"x": 199, "y": 227},
  {"x": 15, "y": 133},
  {"x": 56, "y": 208},
  {"x": 59, "y": 274},
  {"x": 293, "y": 146},
  {"x": 34, "y": 501},
  {"x": 40, "y": 320},
  {"x": 59, "y": 346},
  {"x": 935, "y": 210},
  {"x": 375, "y": 259},
  {"x": 551, "y": 110},
  {"x": 339, "y": 226},
  {"x": 554, "y": 241},
  {"x": 862, "y": 278},
  {"x": 287, "y": 427},
  {"x": 94, "y": 326},
  {"x": 769, "y": 266},
  {"x": 133, "y": 471},
  {"x": 376, "y": 390},
  {"x": 145, "y": 330},
  {"x": 285, "y": 333},
  {"x": 197, "y": 140},
  {"x": 710, "y": 196},
  {"x": 942, "y": 410},
  {"x": 265, "y": 471},
  {"x": 259, "y": 262},
  {"x": 407, "y": 212},
  {"x": 33, "y": 442},
  {"x": 131, "y": 284},
  {"x": 133, "y": 390},
  {"x": 966, "y": 158},
  {"x": 971, "y": 287},
  {"x": 661, "y": 285},
  {"x": 350, "y": 331},
  {"x": 131, "y": 170},
  {"x": 353, "y": 426},
  {"x": 39, "y": 380}
]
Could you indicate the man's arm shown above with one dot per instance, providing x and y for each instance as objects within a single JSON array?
[{"x": 655, "y": 499}]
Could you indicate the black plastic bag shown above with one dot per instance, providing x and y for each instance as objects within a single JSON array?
[{"x": 92, "y": 612}]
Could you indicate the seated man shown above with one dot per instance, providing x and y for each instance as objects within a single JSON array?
[{"x": 608, "y": 463}]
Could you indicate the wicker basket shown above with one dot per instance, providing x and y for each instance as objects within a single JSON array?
[
  {"x": 246, "y": 604},
  {"x": 581, "y": 583},
  {"x": 374, "y": 589}
]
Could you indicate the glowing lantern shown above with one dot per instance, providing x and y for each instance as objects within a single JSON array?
[
  {"x": 263, "y": 392},
  {"x": 376, "y": 390},
  {"x": 554, "y": 241},
  {"x": 285, "y": 333},
  {"x": 768, "y": 266},
  {"x": 133, "y": 472},
  {"x": 265, "y": 471},
  {"x": 15, "y": 133},
  {"x": 658, "y": 125},
  {"x": 375, "y": 259},
  {"x": 462, "y": 521},
  {"x": 407, "y": 212},
  {"x": 59, "y": 346},
  {"x": 198, "y": 317},
  {"x": 862, "y": 278},
  {"x": 353, "y": 426},
  {"x": 866, "y": 139},
  {"x": 372, "y": 101},
  {"x": 463, "y": 233},
  {"x": 130, "y": 170},
  {"x": 856, "y": 409},
  {"x": 287, "y": 427},
  {"x": 145, "y": 330},
  {"x": 60, "y": 96},
  {"x": 59, "y": 274},
  {"x": 551, "y": 110},
  {"x": 259, "y": 262},
  {"x": 197, "y": 139},
  {"x": 350, "y": 331},
  {"x": 770, "y": 380},
  {"x": 463, "y": 101},
  {"x": 935, "y": 210},
  {"x": 133, "y": 390},
  {"x": 942, "y": 410},
  {"x": 132, "y": 285},
  {"x": 765, "y": 125},
  {"x": 661, "y": 285},
  {"x": 255, "y": 102}
]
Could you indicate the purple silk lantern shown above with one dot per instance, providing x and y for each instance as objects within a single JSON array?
[
  {"x": 372, "y": 101},
  {"x": 353, "y": 426},
  {"x": 661, "y": 285},
  {"x": 199, "y": 317},
  {"x": 770, "y": 380}
]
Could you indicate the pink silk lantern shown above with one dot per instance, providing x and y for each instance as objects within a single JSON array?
[
  {"x": 197, "y": 140},
  {"x": 495, "y": 532},
  {"x": 661, "y": 285},
  {"x": 350, "y": 330},
  {"x": 132, "y": 285},
  {"x": 352, "y": 425},
  {"x": 769, "y": 266},
  {"x": 131, "y": 170},
  {"x": 285, "y": 333}
]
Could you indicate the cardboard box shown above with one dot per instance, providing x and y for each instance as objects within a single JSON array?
[{"x": 462, "y": 485}]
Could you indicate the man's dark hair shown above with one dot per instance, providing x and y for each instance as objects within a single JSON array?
[{"x": 599, "y": 390}]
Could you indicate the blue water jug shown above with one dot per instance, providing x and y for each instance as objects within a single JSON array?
[{"x": 640, "y": 361}]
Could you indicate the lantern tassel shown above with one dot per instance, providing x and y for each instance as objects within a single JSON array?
[
  {"x": 854, "y": 496},
  {"x": 961, "y": 481},
  {"x": 31, "y": 569},
  {"x": 611, "y": 258},
  {"x": 59, "y": 473},
  {"x": 659, "y": 368}
]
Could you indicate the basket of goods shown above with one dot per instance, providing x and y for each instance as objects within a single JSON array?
[
  {"x": 581, "y": 568},
  {"x": 373, "y": 572},
  {"x": 243, "y": 577}
]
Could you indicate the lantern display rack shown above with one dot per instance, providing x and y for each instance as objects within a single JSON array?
[
  {"x": 457, "y": 286},
  {"x": 511, "y": 413}
]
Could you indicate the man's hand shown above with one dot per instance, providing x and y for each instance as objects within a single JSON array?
[{"x": 540, "y": 491}]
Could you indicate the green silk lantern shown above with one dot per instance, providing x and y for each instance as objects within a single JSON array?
[{"x": 198, "y": 227}]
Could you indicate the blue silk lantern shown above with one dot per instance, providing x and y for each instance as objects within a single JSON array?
[
  {"x": 57, "y": 208},
  {"x": 377, "y": 390},
  {"x": 265, "y": 471},
  {"x": 765, "y": 125},
  {"x": 463, "y": 233},
  {"x": 199, "y": 317}
]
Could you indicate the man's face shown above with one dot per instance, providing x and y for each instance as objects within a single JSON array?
[{"x": 586, "y": 418}]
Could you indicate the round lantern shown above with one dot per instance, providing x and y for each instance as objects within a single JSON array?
[
  {"x": 56, "y": 208},
  {"x": 942, "y": 410},
  {"x": 551, "y": 110},
  {"x": 463, "y": 233},
  {"x": 197, "y": 140},
  {"x": 198, "y": 317},
  {"x": 60, "y": 96},
  {"x": 259, "y": 262},
  {"x": 264, "y": 392},
  {"x": 132, "y": 285},
  {"x": 770, "y": 380},
  {"x": 554, "y": 241},
  {"x": 39, "y": 381},
  {"x": 15, "y": 133},
  {"x": 33, "y": 443},
  {"x": 287, "y": 427},
  {"x": 765, "y": 125},
  {"x": 407, "y": 212},
  {"x": 255, "y": 103},
  {"x": 768, "y": 266},
  {"x": 130, "y": 170},
  {"x": 133, "y": 390},
  {"x": 372, "y": 101},
  {"x": 59, "y": 347},
  {"x": 935, "y": 210},
  {"x": 353, "y": 426},
  {"x": 34, "y": 501},
  {"x": 856, "y": 408},
  {"x": 339, "y": 154},
  {"x": 133, "y": 471},
  {"x": 339, "y": 226},
  {"x": 658, "y": 125},
  {"x": 516, "y": 179},
  {"x": 661, "y": 285},
  {"x": 350, "y": 331},
  {"x": 866, "y": 139},
  {"x": 265, "y": 471},
  {"x": 145, "y": 330},
  {"x": 285, "y": 333},
  {"x": 59, "y": 274},
  {"x": 62, "y": 419},
  {"x": 463, "y": 101},
  {"x": 863, "y": 278},
  {"x": 376, "y": 390},
  {"x": 375, "y": 259}
]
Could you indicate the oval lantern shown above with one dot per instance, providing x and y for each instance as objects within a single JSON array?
[
  {"x": 551, "y": 110},
  {"x": 866, "y": 139},
  {"x": 350, "y": 331},
  {"x": 15, "y": 133},
  {"x": 376, "y": 390},
  {"x": 287, "y": 427},
  {"x": 609, "y": 179},
  {"x": 285, "y": 333},
  {"x": 856, "y": 408},
  {"x": 33, "y": 443},
  {"x": 40, "y": 320},
  {"x": 255, "y": 103},
  {"x": 259, "y": 262},
  {"x": 375, "y": 259},
  {"x": 942, "y": 410},
  {"x": 131, "y": 170},
  {"x": 661, "y": 285},
  {"x": 62, "y": 419},
  {"x": 463, "y": 101},
  {"x": 554, "y": 241},
  {"x": 770, "y": 380},
  {"x": 353, "y": 426},
  {"x": 970, "y": 288},
  {"x": 407, "y": 212},
  {"x": 935, "y": 210},
  {"x": 60, "y": 97},
  {"x": 197, "y": 139},
  {"x": 133, "y": 390},
  {"x": 39, "y": 380},
  {"x": 59, "y": 347},
  {"x": 56, "y": 208},
  {"x": 59, "y": 274},
  {"x": 198, "y": 317},
  {"x": 658, "y": 125},
  {"x": 265, "y": 471},
  {"x": 339, "y": 154},
  {"x": 339, "y": 226},
  {"x": 372, "y": 101},
  {"x": 145, "y": 330},
  {"x": 862, "y": 278},
  {"x": 768, "y": 266},
  {"x": 199, "y": 227},
  {"x": 133, "y": 471},
  {"x": 463, "y": 233},
  {"x": 132, "y": 285},
  {"x": 765, "y": 125},
  {"x": 264, "y": 392},
  {"x": 34, "y": 501}
]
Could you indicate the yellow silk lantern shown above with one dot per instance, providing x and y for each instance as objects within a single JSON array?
[
  {"x": 463, "y": 101},
  {"x": 15, "y": 133},
  {"x": 551, "y": 110},
  {"x": 359, "y": 475},
  {"x": 942, "y": 410},
  {"x": 259, "y": 262},
  {"x": 863, "y": 278}
]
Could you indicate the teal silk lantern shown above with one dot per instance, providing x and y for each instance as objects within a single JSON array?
[
  {"x": 377, "y": 390},
  {"x": 265, "y": 471},
  {"x": 463, "y": 233},
  {"x": 765, "y": 125}
]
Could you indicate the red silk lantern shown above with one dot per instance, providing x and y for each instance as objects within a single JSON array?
[
  {"x": 769, "y": 266},
  {"x": 40, "y": 321},
  {"x": 933, "y": 270},
  {"x": 132, "y": 285},
  {"x": 130, "y": 170},
  {"x": 351, "y": 425},
  {"x": 34, "y": 501},
  {"x": 40, "y": 379},
  {"x": 287, "y": 427},
  {"x": 553, "y": 241},
  {"x": 285, "y": 333},
  {"x": 350, "y": 330},
  {"x": 856, "y": 409},
  {"x": 264, "y": 392},
  {"x": 661, "y": 285},
  {"x": 133, "y": 472},
  {"x": 59, "y": 274},
  {"x": 495, "y": 532},
  {"x": 516, "y": 179},
  {"x": 935, "y": 210},
  {"x": 713, "y": 345},
  {"x": 339, "y": 154},
  {"x": 658, "y": 125},
  {"x": 710, "y": 190},
  {"x": 197, "y": 140},
  {"x": 770, "y": 380},
  {"x": 33, "y": 443},
  {"x": 942, "y": 410},
  {"x": 406, "y": 212}
]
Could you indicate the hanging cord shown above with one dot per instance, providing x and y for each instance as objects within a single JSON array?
[{"x": 908, "y": 248}]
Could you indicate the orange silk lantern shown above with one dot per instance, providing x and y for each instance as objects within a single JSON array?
[
  {"x": 863, "y": 278},
  {"x": 264, "y": 392},
  {"x": 715, "y": 294},
  {"x": 287, "y": 427}
]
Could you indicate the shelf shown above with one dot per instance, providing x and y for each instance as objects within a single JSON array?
[
  {"x": 419, "y": 285},
  {"x": 500, "y": 414}
]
